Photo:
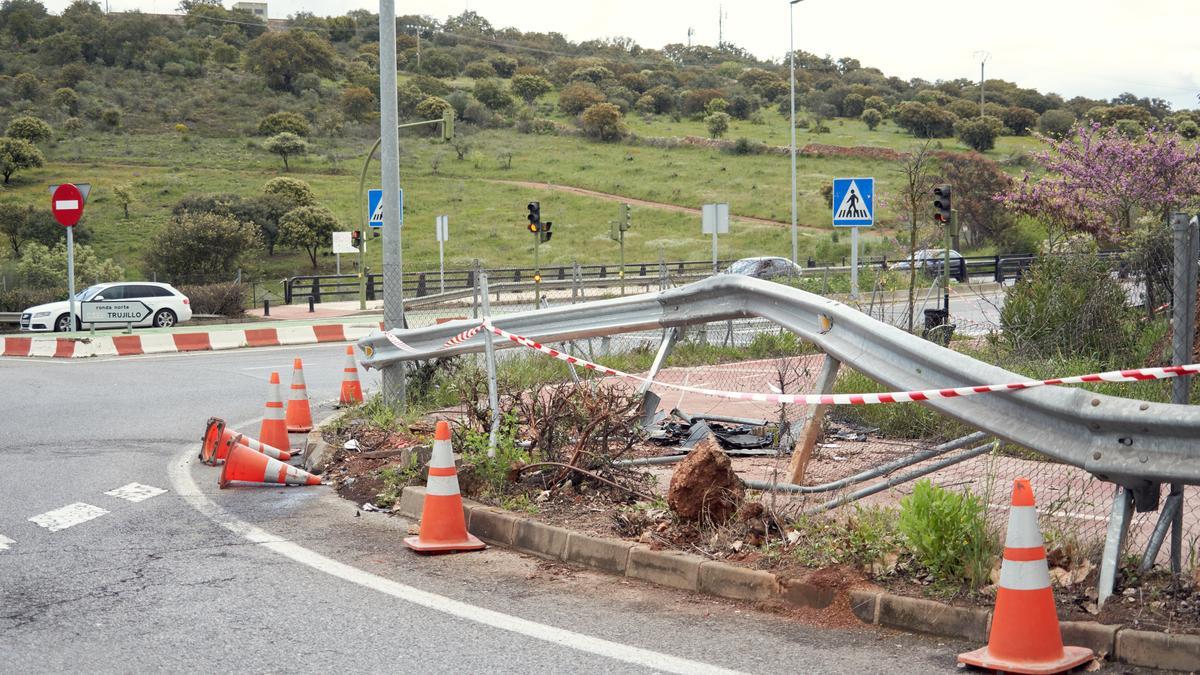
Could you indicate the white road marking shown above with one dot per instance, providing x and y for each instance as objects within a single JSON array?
[
  {"x": 71, "y": 514},
  {"x": 4, "y": 542},
  {"x": 182, "y": 483},
  {"x": 135, "y": 492}
]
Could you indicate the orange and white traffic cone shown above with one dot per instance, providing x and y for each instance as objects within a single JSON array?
[
  {"x": 299, "y": 415},
  {"x": 443, "y": 523},
  {"x": 1025, "y": 635},
  {"x": 248, "y": 465},
  {"x": 214, "y": 428},
  {"x": 351, "y": 387},
  {"x": 218, "y": 439},
  {"x": 274, "y": 430}
]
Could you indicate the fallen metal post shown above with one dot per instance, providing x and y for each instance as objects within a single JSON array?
[
  {"x": 650, "y": 400},
  {"x": 489, "y": 351}
]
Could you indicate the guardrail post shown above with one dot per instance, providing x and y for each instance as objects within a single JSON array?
[
  {"x": 997, "y": 273},
  {"x": 370, "y": 285},
  {"x": 489, "y": 352},
  {"x": 562, "y": 272}
]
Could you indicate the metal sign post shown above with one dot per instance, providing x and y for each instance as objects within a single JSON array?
[
  {"x": 489, "y": 351},
  {"x": 714, "y": 219},
  {"x": 853, "y": 207},
  {"x": 66, "y": 203},
  {"x": 443, "y": 233}
]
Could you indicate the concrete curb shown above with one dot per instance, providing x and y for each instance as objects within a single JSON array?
[
  {"x": 166, "y": 343},
  {"x": 317, "y": 453},
  {"x": 712, "y": 577}
]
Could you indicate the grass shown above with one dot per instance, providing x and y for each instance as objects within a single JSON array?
[{"x": 486, "y": 216}]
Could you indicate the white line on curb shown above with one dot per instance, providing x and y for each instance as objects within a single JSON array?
[
  {"x": 67, "y": 516},
  {"x": 184, "y": 486}
]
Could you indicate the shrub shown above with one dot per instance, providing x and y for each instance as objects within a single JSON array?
[
  {"x": 1056, "y": 123},
  {"x": 924, "y": 121},
  {"x": 432, "y": 107},
  {"x": 293, "y": 191},
  {"x": 358, "y": 103},
  {"x": 1067, "y": 305},
  {"x": 1018, "y": 121},
  {"x": 308, "y": 228},
  {"x": 198, "y": 247},
  {"x": 26, "y": 86},
  {"x": 493, "y": 94},
  {"x": 579, "y": 96},
  {"x": 17, "y": 299},
  {"x": 277, "y": 123},
  {"x": 111, "y": 119},
  {"x": 717, "y": 123},
  {"x": 46, "y": 267},
  {"x": 979, "y": 133},
  {"x": 603, "y": 121},
  {"x": 479, "y": 70},
  {"x": 1188, "y": 129},
  {"x": 872, "y": 117},
  {"x": 225, "y": 299},
  {"x": 66, "y": 100},
  {"x": 745, "y": 146},
  {"x": 530, "y": 87},
  {"x": 947, "y": 533},
  {"x": 29, "y": 128}
]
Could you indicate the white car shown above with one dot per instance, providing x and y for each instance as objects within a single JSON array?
[{"x": 167, "y": 307}]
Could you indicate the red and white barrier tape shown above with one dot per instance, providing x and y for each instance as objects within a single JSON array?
[
  {"x": 863, "y": 399},
  {"x": 398, "y": 343},
  {"x": 463, "y": 336}
]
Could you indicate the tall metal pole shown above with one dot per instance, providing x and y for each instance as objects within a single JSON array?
[
  {"x": 393, "y": 260},
  {"x": 792, "y": 102},
  {"x": 489, "y": 355},
  {"x": 1183, "y": 321},
  {"x": 71, "y": 274}
]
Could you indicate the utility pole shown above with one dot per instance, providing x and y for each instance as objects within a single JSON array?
[
  {"x": 720, "y": 25},
  {"x": 792, "y": 103},
  {"x": 691, "y": 32},
  {"x": 393, "y": 261},
  {"x": 983, "y": 57}
]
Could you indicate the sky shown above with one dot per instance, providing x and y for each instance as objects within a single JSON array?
[{"x": 1094, "y": 48}]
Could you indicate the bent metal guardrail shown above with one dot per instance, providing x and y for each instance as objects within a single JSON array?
[{"x": 1133, "y": 443}]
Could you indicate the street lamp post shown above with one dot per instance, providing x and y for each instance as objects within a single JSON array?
[{"x": 792, "y": 82}]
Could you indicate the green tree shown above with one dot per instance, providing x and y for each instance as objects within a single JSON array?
[
  {"x": 200, "y": 248},
  {"x": 1018, "y": 121},
  {"x": 293, "y": 191},
  {"x": 277, "y": 123},
  {"x": 603, "y": 121},
  {"x": 717, "y": 123},
  {"x": 358, "y": 103},
  {"x": 125, "y": 197},
  {"x": 530, "y": 87},
  {"x": 493, "y": 94},
  {"x": 286, "y": 145},
  {"x": 66, "y": 100},
  {"x": 282, "y": 56},
  {"x": 579, "y": 96},
  {"x": 872, "y": 117},
  {"x": 979, "y": 133},
  {"x": 29, "y": 128},
  {"x": 432, "y": 107},
  {"x": 924, "y": 121},
  {"x": 309, "y": 228},
  {"x": 1056, "y": 123},
  {"x": 26, "y": 86},
  {"x": 46, "y": 267},
  {"x": 17, "y": 154},
  {"x": 111, "y": 119},
  {"x": 23, "y": 224}
]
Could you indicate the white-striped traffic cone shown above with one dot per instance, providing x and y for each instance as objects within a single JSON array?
[{"x": 443, "y": 523}]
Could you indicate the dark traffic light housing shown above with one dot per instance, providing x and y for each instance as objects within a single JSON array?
[
  {"x": 941, "y": 204},
  {"x": 545, "y": 234},
  {"x": 535, "y": 217}
]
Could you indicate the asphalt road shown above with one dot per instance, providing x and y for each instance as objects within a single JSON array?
[{"x": 259, "y": 578}]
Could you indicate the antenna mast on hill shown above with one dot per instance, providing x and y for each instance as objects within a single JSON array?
[
  {"x": 691, "y": 31},
  {"x": 983, "y": 57},
  {"x": 721, "y": 16}
]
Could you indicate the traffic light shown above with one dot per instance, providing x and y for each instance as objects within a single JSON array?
[
  {"x": 535, "y": 217},
  {"x": 628, "y": 220},
  {"x": 941, "y": 204},
  {"x": 537, "y": 278},
  {"x": 356, "y": 239},
  {"x": 545, "y": 234},
  {"x": 448, "y": 124}
]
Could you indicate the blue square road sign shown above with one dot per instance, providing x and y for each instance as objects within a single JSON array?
[{"x": 853, "y": 202}]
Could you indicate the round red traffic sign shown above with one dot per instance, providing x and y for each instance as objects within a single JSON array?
[{"x": 67, "y": 204}]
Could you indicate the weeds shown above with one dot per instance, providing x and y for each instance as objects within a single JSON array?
[{"x": 947, "y": 532}]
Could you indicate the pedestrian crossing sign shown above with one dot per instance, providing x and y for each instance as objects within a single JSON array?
[
  {"x": 375, "y": 207},
  {"x": 853, "y": 202}
]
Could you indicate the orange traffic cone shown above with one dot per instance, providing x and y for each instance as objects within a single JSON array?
[
  {"x": 247, "y": 465},
  {"x": 351, "y": 387},
  {"x": 214, "y": 429},
  {"x": 299, "y": 416},
  {"x": 1025, "y": 636},
  {"x": 443, "y": 524},
  {"x": 274, "y": 430},
  {"x": 218, "y": 439}
]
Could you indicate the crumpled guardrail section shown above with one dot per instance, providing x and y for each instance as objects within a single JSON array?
[{"x": 1129, "y": 442}]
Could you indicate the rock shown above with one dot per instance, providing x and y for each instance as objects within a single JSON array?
[{"x": 704, "y": 486}]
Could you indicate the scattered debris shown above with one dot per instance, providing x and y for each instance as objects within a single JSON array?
[
  {"x": 351, "y": 444},
  {"x": 704, "y": 486}
]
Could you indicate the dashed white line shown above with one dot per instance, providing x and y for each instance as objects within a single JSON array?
[
  {"x": 71, "y": 514},
  {"x": 4, "y": 542},
  {"x": 135, "y": 492}
]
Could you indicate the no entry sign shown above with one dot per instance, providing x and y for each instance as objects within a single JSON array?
[{"x": 67, "y": 204}]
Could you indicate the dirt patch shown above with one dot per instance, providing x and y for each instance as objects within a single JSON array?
[{"x": 704, "y": 486}]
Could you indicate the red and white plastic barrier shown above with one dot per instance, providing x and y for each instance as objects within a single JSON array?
[
  {"x": 164, "y": 343},
  {"x": 862, "y": 399}
]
